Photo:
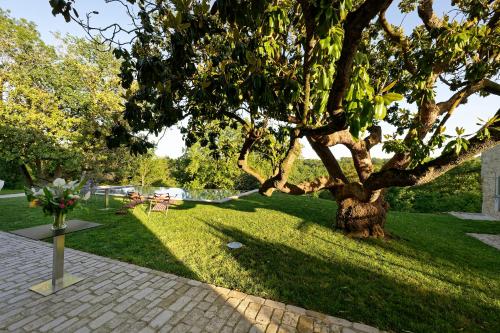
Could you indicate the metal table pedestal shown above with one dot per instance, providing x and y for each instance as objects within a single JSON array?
[{"x": 59, "y": 279}]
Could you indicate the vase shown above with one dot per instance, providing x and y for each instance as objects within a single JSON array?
[{"x": 59, "y": 221}]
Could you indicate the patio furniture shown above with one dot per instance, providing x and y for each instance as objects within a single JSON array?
[
  {"x": 133, "y": 197},
  {"x": 131, "y": 200},
  {"x": 159, "y": 203}
]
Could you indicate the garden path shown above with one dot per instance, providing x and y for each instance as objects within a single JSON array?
[
  {"x": 492, "y": 240},
  {"x": 120, "y": 297},
  {"x": 472, "y": 216},
  {"x": 13, "y": 195}
]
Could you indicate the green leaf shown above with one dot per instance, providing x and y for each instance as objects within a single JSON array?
[
  {"x": 380, "y": 109},
  {"x": 323, "y": 80},
  {"x": 355, "y": 127},
  {"x": 389, "y": 87},
  {"x": 392, "y": 97}
]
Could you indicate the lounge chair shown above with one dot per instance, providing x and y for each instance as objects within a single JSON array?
[
  {"x": 159, "y": 203},
  {"x": 131, "y": 200}
]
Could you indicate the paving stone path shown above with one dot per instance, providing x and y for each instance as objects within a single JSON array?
[
  {"x": 120, "y": 297},
  {"x": 492, "y": 240},
  {"x": 472, "y": 216},
  {"x": 13, "y": 195}
]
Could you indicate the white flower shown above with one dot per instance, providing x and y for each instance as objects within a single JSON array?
[
  {"x": 71, "y": 184},
  {"x": 59, "y": 182},
  {"x": 39, "y": 192},
  {"x": 86, "y": 196}
]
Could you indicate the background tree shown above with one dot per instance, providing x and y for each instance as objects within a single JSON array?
[
  {"x": 148, "y": 169},
  {"x": 203, "y": 166},
  {"x": 57, "y": 107},
  {"x": 322, "y": 70}
]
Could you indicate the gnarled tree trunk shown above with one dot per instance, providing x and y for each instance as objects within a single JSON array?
[{"x": 361, "y": 219}]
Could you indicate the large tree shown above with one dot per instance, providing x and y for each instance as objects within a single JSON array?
[
  {"x": 56, "y": 107},
  {"x": 322, "y": 70}
]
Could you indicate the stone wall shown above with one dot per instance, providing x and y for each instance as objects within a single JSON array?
[{"x": 490, "y": 171}]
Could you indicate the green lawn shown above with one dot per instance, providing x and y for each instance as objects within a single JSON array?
[
  {"x": 430, "y": 278},
  {"x": 8, "y": 191}
]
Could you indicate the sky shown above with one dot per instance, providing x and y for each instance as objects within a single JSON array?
[{"x": 171, "y": 143}]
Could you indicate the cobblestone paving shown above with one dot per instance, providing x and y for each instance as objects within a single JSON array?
[{"x": 120, "y": 297}]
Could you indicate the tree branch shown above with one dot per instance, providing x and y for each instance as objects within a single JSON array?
[
  {"x": 280, "y": 179},
  {"x": 243, "y": 158},
  {"x": 422, "y": 123},
  {"x": 491, "y": 87},
  {"x": 397, "y": 37},
  {"x": 316, "y": 185},
  {"x": 360, "y": 149},
  {"x": 237, "y": 118},
  {"x": 374, "y": 138},
  {"x": 339, "y": 123},
  {"x": 430, "y": 170},
  {"x": 426, "y": 13},
  {"x": 329, "y": 161},
  {"x": 308, "y": 54},
  {"x": 340, "y": 190},
  {"x": 460, "y": 97},
  {"x": 355, "y": 23}
]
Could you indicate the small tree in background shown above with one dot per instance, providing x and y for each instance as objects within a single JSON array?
[
  {"x": 149, "y": 169},
  {"x": 327, "y": 71},
  {"x": 204, "y": 166}
]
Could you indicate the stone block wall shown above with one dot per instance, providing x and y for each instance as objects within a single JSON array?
[{"x": 490, "y": 172}]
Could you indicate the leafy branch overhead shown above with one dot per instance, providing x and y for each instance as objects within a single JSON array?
[{"x": 327, "y": 71}]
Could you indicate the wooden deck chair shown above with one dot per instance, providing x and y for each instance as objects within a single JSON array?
[
  {"x": 159, "y": 203},
  {"x": 133, "y": 197},
  {"x": 131, "y": 200}
]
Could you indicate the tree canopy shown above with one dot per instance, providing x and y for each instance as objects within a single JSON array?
[
  {"x": 57, "y": 107},
  {"x": 328, "y": 71}
]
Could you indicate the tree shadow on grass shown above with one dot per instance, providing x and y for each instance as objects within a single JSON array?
[
  {"x": 421, "y": 237},
  {"x": 127, "y": 238},
  {"x": 293, "y": 276},
  {"x": 334, "y": 286}
]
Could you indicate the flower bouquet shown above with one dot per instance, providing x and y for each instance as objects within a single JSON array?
[{"x": 57, "y": 199}]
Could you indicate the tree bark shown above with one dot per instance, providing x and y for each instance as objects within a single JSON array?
[
  {"x": 58, "y": 172},
  {"x": 361, "y": 219},
  {"x": 26, "y": 174}
]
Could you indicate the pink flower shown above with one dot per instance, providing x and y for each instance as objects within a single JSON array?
[
  {"x": 62, "y": 206},
  {"x": 70, "y": 202}
]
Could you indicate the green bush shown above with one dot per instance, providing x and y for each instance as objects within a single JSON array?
[
  {"x": 457, "y": 190},
  {"x": 9, "y": 172}
]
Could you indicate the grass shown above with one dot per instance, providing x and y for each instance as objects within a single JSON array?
[
  {"x": 9, "y": 191},
  {"x": 457, "y": 190},
  {"x": 430, "y": 278}
]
